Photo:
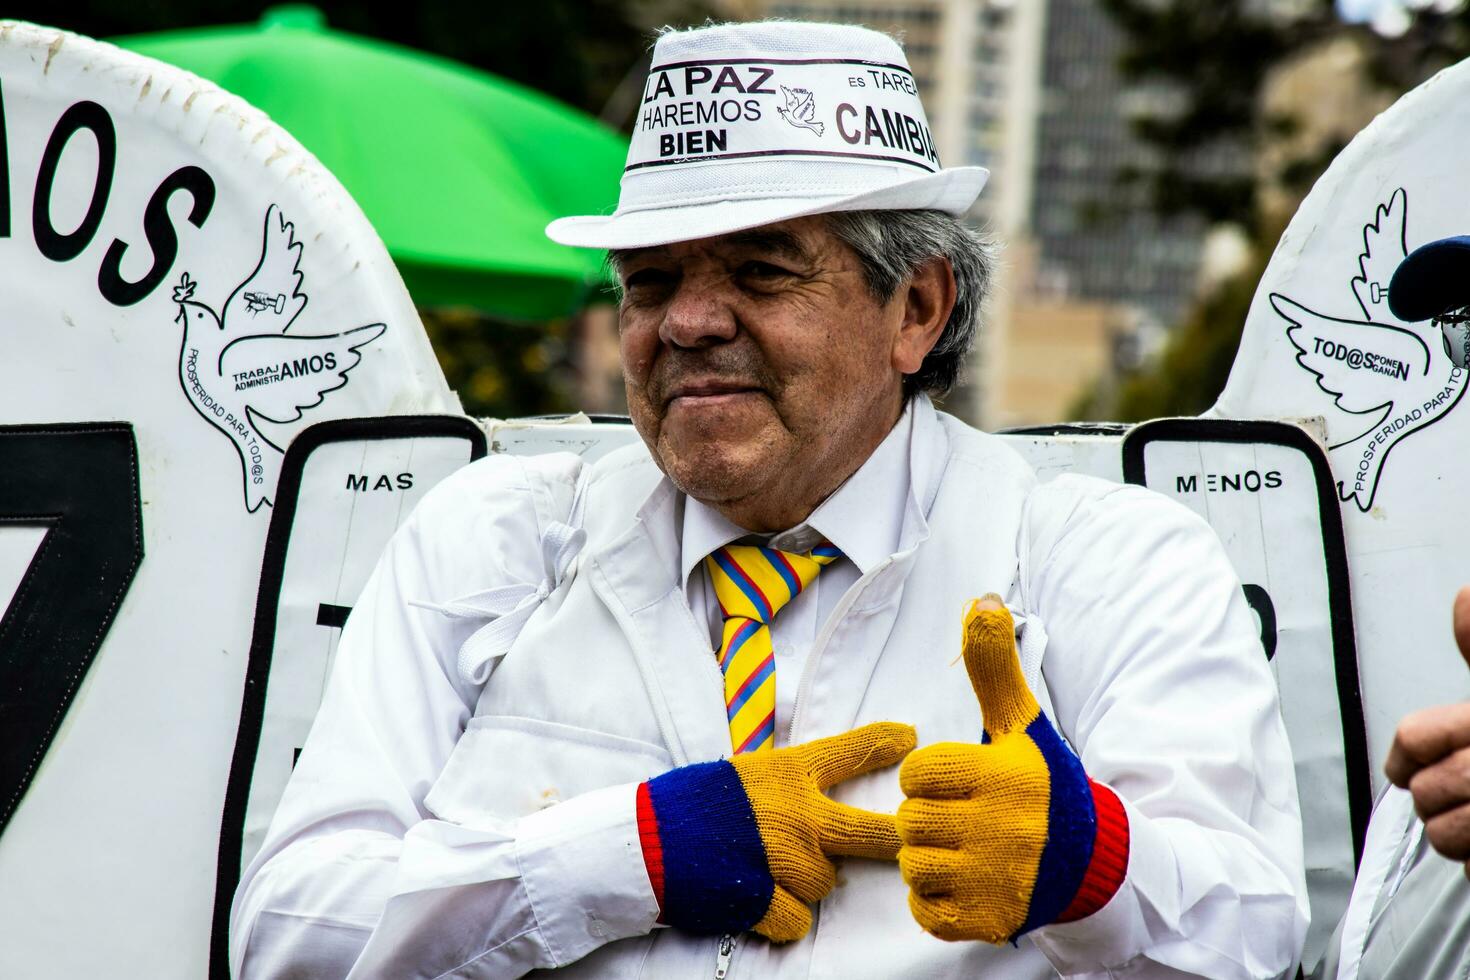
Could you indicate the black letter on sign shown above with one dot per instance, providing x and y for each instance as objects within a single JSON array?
[
  {"x": 1260, "y": 600},
  {"x": 160, "y": 234},
  {"x": 4, "y": 175},
  {"x": 328, "y": 614},
  {"x": 80, "y": 481},
  {"x": 84, "y": 115}
]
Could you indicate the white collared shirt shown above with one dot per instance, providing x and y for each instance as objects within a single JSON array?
[
  {"x": 436, "y": 828},
  {"x": 864, "y": 518}
]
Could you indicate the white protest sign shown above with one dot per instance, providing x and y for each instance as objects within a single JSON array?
[
  {"x": 185, "y": 289},
  {"x": 1266, "y": 489},
  {"x": 1091, "y": 448},
  {"x": 1320, "y": 341},
  {"x": 345, "y": 488}
]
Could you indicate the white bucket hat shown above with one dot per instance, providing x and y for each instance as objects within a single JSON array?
[{"x": 742, "y": 125}]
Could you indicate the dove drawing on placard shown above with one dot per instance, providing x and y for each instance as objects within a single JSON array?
[
  {"x": 800, "y": 109},
  {"x": 1398, "y": 379},
  {"x": 243, "y": 365}
]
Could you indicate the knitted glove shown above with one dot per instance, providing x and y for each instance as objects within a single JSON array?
[
  {"x": 1009, "y": 835},
  {"x": 744, "y": 843}
]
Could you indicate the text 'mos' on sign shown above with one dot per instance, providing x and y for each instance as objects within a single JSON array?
[{"x": 185, "y": 290}]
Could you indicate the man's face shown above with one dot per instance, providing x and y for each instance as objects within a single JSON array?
[
  {"x": 760, "y": 370},
  {"x": 1455, "y": 325}
]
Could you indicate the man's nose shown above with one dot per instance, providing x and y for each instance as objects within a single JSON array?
[{"x": 698, "y": 315}]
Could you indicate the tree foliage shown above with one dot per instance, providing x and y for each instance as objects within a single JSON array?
[
  {"x": 575, "y": 50},
  {"x": 1435, "y": 39},
  {"x": 1212, "y": 59},
  {"x": 1194, "y": 364},
  {"x": 1215, "y": 59}
]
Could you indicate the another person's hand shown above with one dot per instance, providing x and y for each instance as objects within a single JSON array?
[
  {"x": 1009, "y": 835},
  {"x": 745, "y": 843},
  {"x": 1430, "y": 757}
]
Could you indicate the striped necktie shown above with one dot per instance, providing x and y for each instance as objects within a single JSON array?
[{"x": 752, "y": 584}]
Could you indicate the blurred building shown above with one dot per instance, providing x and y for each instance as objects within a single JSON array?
[
  {"x": 1096, "y": 239},
  {"x": 1092, "y": 268},
  {"x": 1039, "y": 354}
]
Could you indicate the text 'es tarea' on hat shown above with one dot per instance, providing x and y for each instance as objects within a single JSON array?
[
  {"x": 743, "y": 125},
  {"x": 1433, "y": 280}
]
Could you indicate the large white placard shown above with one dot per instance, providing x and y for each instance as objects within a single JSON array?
[
  {"x": 1321, "y": 342},
  {"x": 346, "y": 487},
  {"x": 185, "y": 289},
  {"x": 1266, "y": 489}
]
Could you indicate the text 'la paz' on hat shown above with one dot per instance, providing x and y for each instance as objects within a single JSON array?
[{"x": 743, "y": 125}]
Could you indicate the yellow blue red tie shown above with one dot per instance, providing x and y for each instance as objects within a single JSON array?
[{"x": 752, "y": 584}]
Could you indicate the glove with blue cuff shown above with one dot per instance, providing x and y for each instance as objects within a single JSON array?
[
  {"x": 1009, "y": 835},
  {"x": 746, "y": 843}
]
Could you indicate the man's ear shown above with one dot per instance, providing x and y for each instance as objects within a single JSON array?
[{"x": 928, "y": 299}]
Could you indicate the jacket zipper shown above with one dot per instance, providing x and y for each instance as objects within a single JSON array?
[
  {"x": 722, "y": 959},
  {"x": 809, "y": 670}
]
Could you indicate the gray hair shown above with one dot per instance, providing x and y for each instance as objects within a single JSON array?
[{"x": 893, "y": 245}]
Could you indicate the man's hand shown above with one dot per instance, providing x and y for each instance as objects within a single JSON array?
[
  {"x": 745, "y": 843},
  {"x": 1010, "y": 835},
  {"x": 1430, "y": 757}
]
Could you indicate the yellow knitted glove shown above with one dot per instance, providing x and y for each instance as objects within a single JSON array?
[
  {"x": 1009, "y": 835},
  {"x": 745, "y": 843}
]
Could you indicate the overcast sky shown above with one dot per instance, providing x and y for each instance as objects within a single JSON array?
[
  {"x": 1362, "y": 9},
  {"x": 1390, "y": 16}
]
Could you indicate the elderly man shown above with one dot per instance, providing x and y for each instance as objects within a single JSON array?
[{"x": 681, "y": 763}]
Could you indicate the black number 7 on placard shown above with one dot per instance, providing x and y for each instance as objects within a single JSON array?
[{"x": 80, "y": 482}]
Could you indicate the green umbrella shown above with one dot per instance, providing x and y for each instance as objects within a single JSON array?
[{"x": 458, "y": 170}]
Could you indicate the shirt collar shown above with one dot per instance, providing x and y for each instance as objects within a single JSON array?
[{"x": 867, "y": 517}]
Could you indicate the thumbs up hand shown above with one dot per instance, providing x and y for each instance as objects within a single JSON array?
[
  {"x": 1430, "y": 757},
  {"x": 1009, "y": 835}
]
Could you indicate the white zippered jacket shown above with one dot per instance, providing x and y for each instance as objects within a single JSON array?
[{"x": 439, "y": 827}]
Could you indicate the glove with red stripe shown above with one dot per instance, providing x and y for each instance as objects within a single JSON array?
[
  {"x": 746, "y": 843},
  {"x": 1009, "y": 835}
]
